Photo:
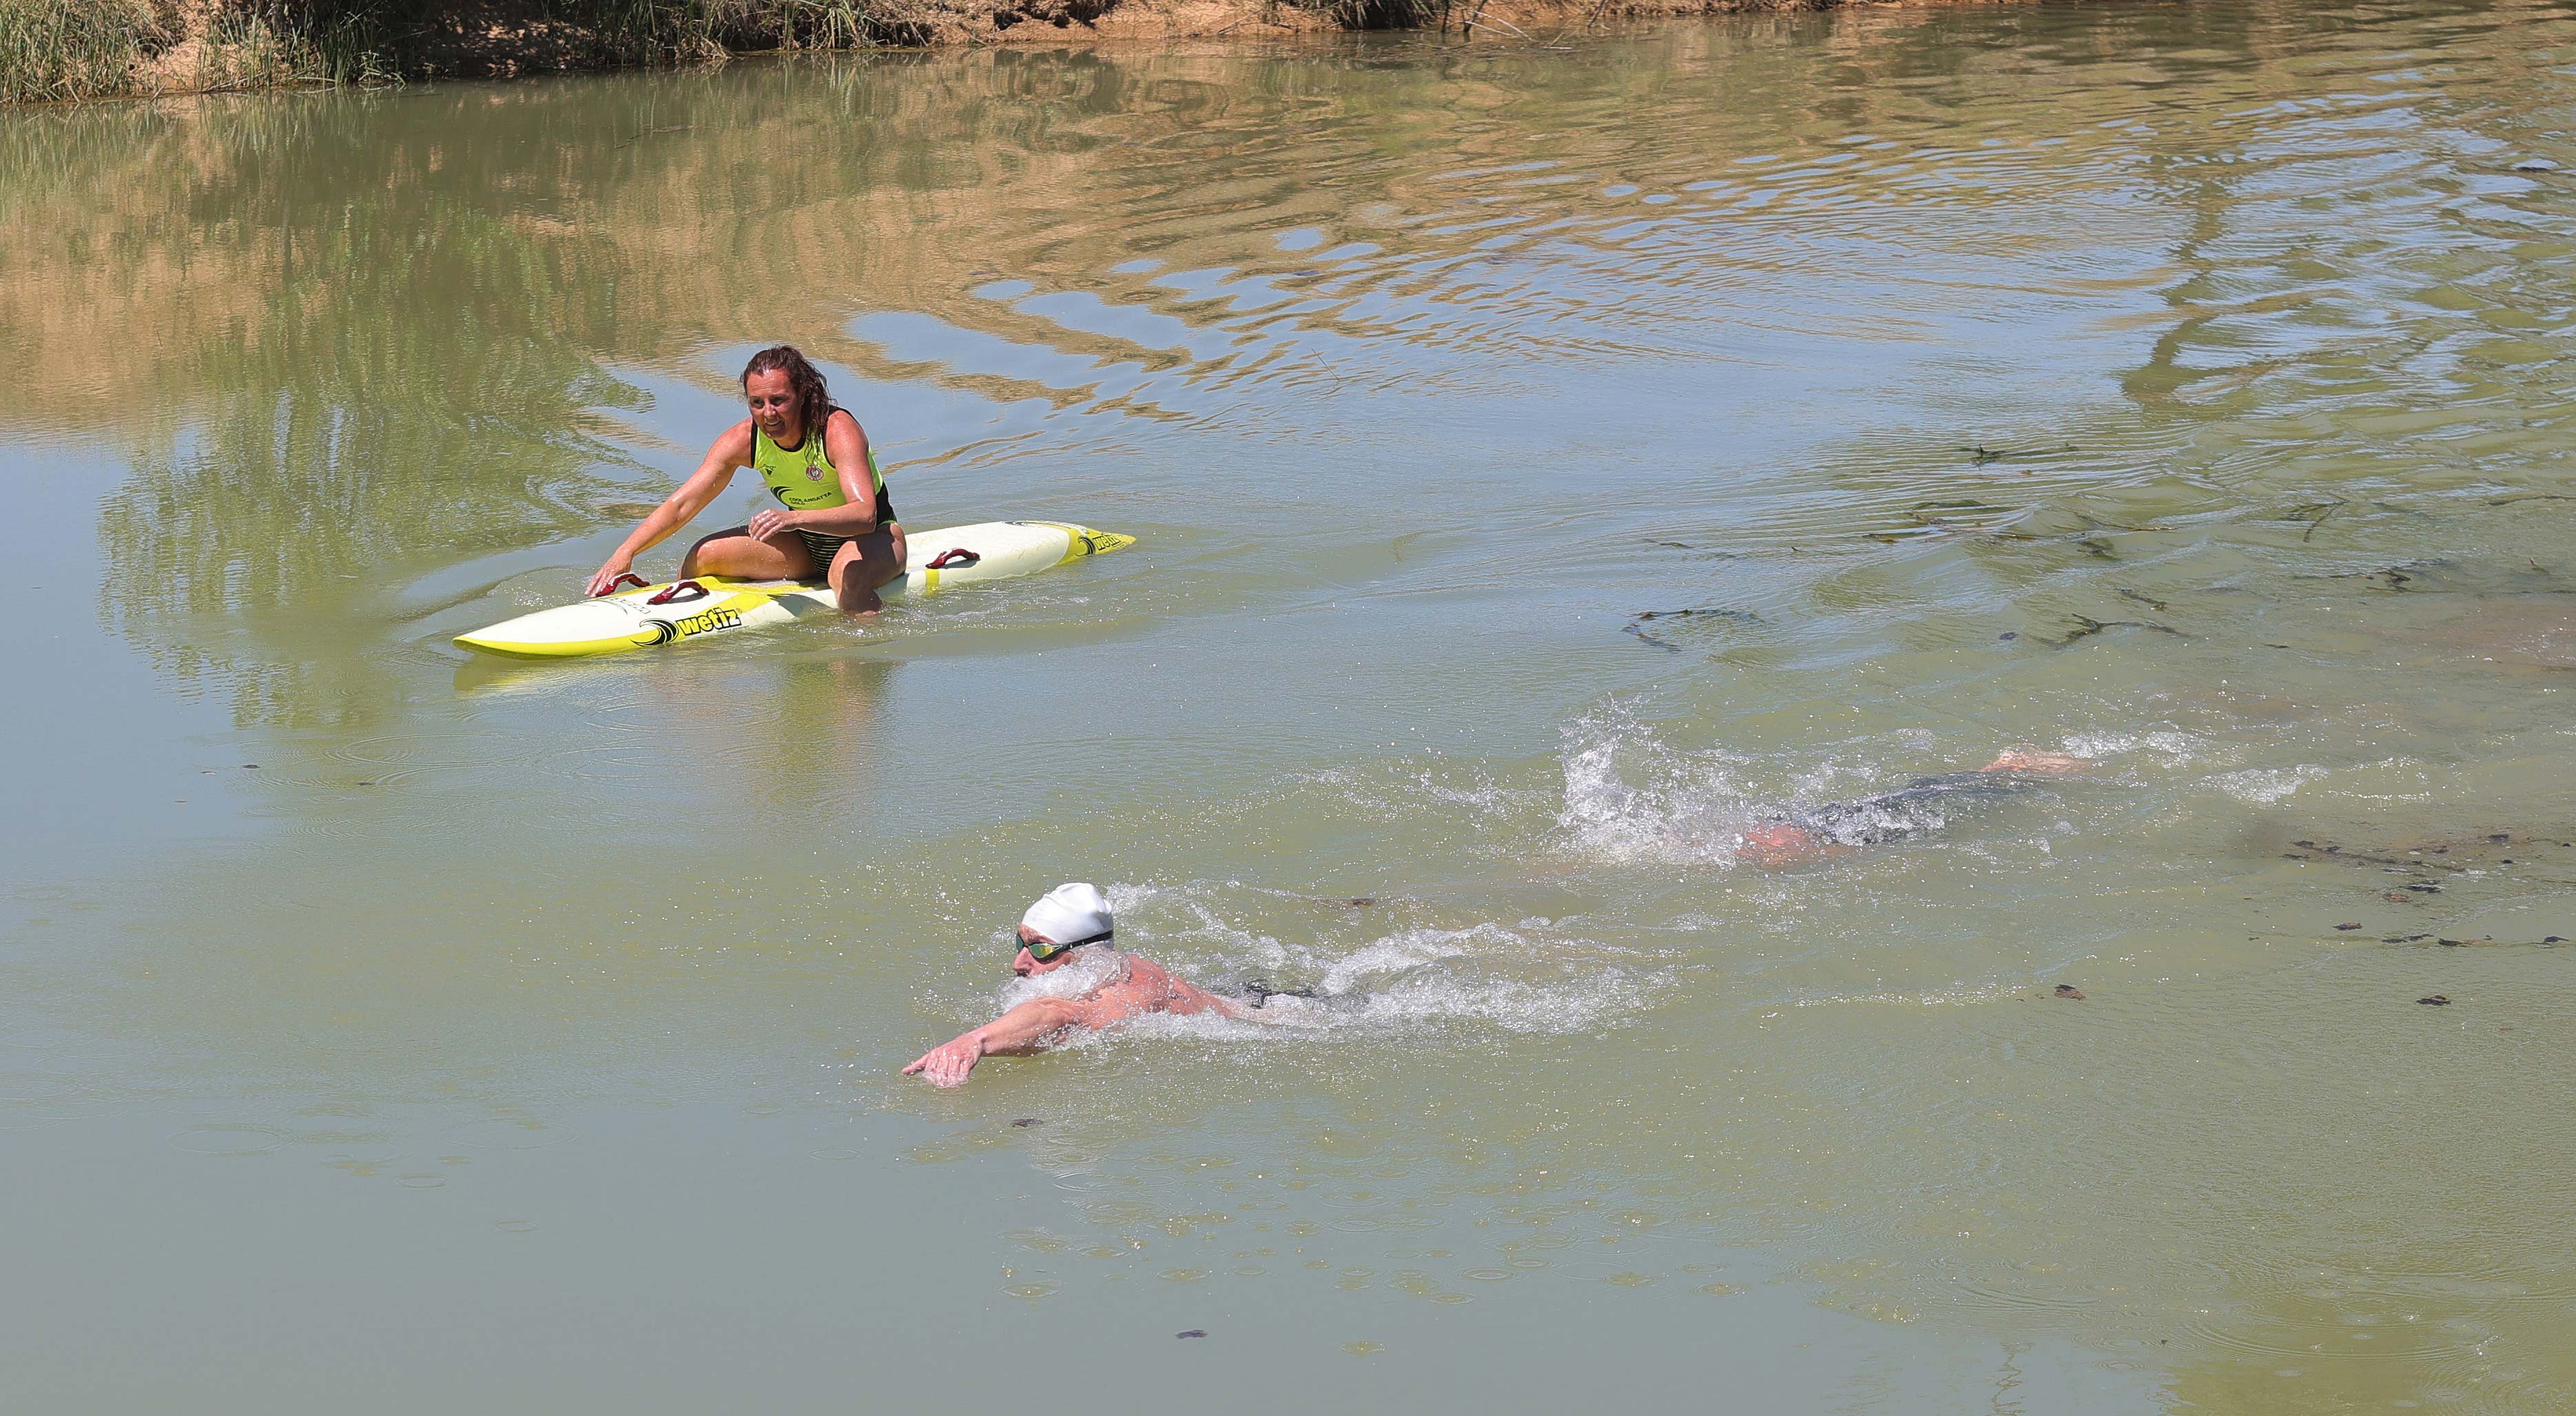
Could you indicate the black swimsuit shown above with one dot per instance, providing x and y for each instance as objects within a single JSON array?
[
  {"x": 823, "y": 546},
  {"x": 1918, "y": 808}
]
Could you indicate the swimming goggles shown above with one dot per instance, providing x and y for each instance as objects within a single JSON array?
[{"x": 1043, "y": 950}]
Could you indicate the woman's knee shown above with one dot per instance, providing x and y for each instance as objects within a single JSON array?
[
  {"x": 855, "y": 567},
  {"x": 877, "y": 556},
  {"x": 736, "y": 553},
  {"x": 707, "y": 555}
]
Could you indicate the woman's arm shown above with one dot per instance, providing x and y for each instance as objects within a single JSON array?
[{"x": 715, "y": 472}]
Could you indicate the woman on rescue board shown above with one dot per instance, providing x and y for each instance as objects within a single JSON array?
[{"x": 834, "y": 519}]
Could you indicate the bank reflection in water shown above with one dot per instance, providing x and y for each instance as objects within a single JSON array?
[
  {"x": 793, "y": 743},
  {"x": 374, "y": 343},
  {"x": 784, "y": 731}
]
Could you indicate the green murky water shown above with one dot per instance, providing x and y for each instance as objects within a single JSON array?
[{"x": 1548, "y": 462}]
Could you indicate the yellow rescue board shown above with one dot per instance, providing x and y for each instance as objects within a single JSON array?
[{"x": 710, "y": 604}]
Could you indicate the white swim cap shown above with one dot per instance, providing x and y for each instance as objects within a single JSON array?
[{"x": 1071, "y": 914}]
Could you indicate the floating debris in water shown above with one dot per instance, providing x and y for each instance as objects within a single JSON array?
[
  {"x": 2436, "y": 1001},
  {"x": 1731, "y": 616},
  {"x": 2147, "y": 600},
  {"x": 2549, "y": 942},
  {"x": 2068, "y": 990},
  {"x": 2328, "y": 850},
  {"x": 1981, "y": 454},
  {"x": 2316, "y": 514},
  {"x": 1935, "y": 518},
  {"x": 1193, "y": 1332},
  {"x": 2009, "y": 634},
  {"x": 1710, "y": 551},
  {"x": 1030, "y": 1121},
  {"x": 2349, "y": 928},
  {"x": 2535, "y": 164},
  {"x": 1738, "y": 616},
  {"x": 2086, "y": 627},
  {"x": 2392, "y": 577}
]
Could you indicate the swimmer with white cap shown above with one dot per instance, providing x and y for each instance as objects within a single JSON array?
[{"x": 1071, "y": 925}]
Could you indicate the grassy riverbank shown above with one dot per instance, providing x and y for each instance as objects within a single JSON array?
[{"x": 65, "y": 50}]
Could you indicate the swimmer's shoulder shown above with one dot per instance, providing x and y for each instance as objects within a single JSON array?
[{"x": 1143, "y": 973}]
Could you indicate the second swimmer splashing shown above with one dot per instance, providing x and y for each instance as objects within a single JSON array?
[{"x": 1916, "y": 809}]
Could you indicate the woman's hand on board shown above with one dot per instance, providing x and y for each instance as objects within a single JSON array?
[
  {"x": 765, "y": 524},
  {"x": 605, "y": 582}
]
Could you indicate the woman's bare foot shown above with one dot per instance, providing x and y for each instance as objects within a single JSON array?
[{"x": 2035, "y": 762}]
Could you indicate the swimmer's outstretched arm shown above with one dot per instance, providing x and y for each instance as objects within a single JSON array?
[
  {"x": 1040, "y": 1023},
  {"x": 1033, "y": 1026},
  {"x": 1028, "y": 1028}
]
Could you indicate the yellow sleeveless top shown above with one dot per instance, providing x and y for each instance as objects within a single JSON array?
[{"x": 805, "y": 480}]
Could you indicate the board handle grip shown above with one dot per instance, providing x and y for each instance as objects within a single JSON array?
[
  {"x": 680, "y": 592},
  {"x": 954, "y": 557}
]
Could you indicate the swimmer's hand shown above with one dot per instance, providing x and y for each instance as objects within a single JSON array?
[
  {"x": 772, "y": 522},
  {"x": 947, "y": 1064}
]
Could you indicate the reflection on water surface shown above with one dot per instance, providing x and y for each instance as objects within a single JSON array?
[{"x": 1547, "y": 464}]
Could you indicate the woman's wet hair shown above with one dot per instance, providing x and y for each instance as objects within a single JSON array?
[{"x": 813, "y": 399}]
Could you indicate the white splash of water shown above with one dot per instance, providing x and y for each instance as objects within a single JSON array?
[
  {"x": 1090, "y": 969},
  {"x": 2172, "y": 749},
  {"x": 2266, "y": 785},
  {"x": 1463, "y": 791},
  {"x": 1628, "y": 797}
]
